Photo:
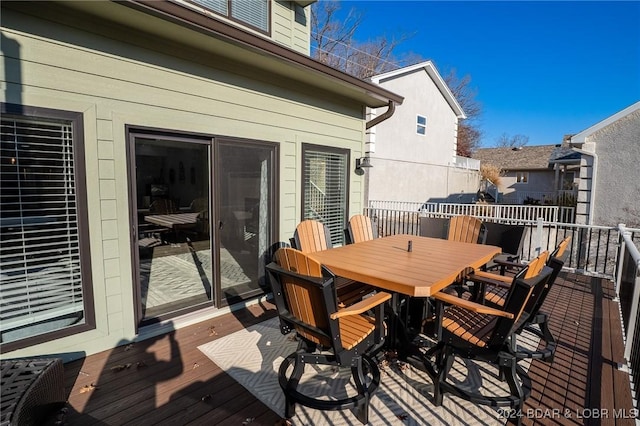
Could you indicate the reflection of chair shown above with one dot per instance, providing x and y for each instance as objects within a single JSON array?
[
  {"x": 434, "y": 227},
  {"x": 311, "y": 236},
  {"x": 466, "y": 229},
  {"x": 360, "y": 228},
  {"x": 476, "y": 332},
  {"x": 304, "y": 294},
  {"x": 508, "y": 237},
  {"x": 162, "y": 206}
]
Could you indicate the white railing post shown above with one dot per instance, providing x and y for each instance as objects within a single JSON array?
[{"x": 539, "y": 236}]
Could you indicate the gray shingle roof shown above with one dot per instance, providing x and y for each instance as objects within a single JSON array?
[{"x": 526, "y": 158}]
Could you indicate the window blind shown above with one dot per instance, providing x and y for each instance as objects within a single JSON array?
[
  {"x": 252, "y": 12},
  {"x": 40, "y": 281},
  {"x": 219, "y": 6},
  {"x": 325, "y": 190}
]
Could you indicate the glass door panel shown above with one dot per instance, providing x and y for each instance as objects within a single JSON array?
[
  {"x": 173, "y": 226},
  {"x": 245, "y": 188}
]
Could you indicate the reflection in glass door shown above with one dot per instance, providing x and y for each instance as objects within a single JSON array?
[
  {"x": 172, "y": 188},
  {"x": 245, "y": 196}
]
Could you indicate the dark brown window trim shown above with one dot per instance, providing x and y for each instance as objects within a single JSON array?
[{"x": 76, "y": 119}]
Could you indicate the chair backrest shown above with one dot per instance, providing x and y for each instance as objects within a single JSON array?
[
  {"x": 560, "y": 251},
  {"x": 360, "y": 228},
  {"x": 508, "y": 237},
  {"x": 555, "y": 264},
  {"x": 304, "y": 294},
  {"x": 466, "y": 229},
  {"x": 522, "y": 293},
  {"x": 535, "y": 265},
  {"x": 311, "y": 236},
  {"x": 434, "y": 227},
  {"x": 162, "y": 206}
]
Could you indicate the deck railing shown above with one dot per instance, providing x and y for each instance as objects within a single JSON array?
[
  {"x": 509, "y": 212},
  {"x": 607, "y": 252},
  {"x": 628, "y": 291}
]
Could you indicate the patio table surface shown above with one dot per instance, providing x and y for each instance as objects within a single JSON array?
[{"x": 431, "y": 265}]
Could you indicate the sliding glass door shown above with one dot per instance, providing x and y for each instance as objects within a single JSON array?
[{"x": 203, "y": 219}]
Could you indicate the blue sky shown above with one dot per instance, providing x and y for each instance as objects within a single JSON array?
[{"x": 541, "y": 69}]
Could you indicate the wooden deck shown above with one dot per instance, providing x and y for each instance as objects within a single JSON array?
[{"x": 167, "y": 380}]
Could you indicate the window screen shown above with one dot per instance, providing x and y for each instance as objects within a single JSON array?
[
  {"x": 252, "y": 12},
  {"x": 325, "y": 188},
  {"x": 41, "y": 284}
]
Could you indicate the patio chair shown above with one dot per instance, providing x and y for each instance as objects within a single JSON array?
[
  {"x": 311, "y": 236},
  {"x": 466, "y": 229},
  {"x": 560, "y": 252},
  {"x": 305, "y": 297},
  {"x": 509, "y": 238},
  {"x": 360, "y": 228},
  {"x": 476, "y": 332}
]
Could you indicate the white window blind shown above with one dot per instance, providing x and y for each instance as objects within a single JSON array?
[
  {"x": 40, "y": 282},
  {"x": 252, "y": 12},
  {"x": 325, "y": 190}
]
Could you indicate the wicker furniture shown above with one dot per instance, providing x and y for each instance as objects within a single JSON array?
[{"x": 32, "y": 389}]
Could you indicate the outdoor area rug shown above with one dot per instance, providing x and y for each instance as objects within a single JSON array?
[{"x": 253, "y": 355}]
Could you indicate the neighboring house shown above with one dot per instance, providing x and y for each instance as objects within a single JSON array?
[
  {"x": 413, "y": 154},
  {"x": 609, "y": 191},
  {"x": 532, "y": 174},
  {"x": 152, "y": 155}
]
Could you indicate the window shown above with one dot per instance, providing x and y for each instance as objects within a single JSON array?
[
  {"x": 324, "y": 174},
  {"x": 45, "y": 288},
  {"x": 254, "y": 13},
  {"x": 522, "y": 177},
  {"x": 421, "y": 124}
]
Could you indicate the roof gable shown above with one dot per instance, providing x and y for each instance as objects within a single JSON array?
[
  {"x": 435, "y": 76},
  {"x": 582, "y": 136}
]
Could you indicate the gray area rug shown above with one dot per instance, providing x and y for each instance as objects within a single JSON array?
[{"x": 252, "y": 357}]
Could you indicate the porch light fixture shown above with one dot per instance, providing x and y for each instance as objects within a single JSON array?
[{"x": 361, "y": 164}]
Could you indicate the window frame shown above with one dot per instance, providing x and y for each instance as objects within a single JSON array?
[
  {"x": 420, "y": 125},
  {"x": 230, "y": 17},
  {"x": 75, "y": 120},
  {"x": 328, "y": 150},
  {"x": 522, "y": 178}
]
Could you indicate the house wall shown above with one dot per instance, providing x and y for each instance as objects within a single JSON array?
[
  {"x": 412, "y": 167},
  {"x": 539, "y": 181},
  {"x": 617, "y": 189},
  {"x": 290, "y": 26},
  {"x": 117, "y": 77}
]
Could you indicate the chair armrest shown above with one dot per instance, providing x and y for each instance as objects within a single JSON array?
[
  {"x": 491, "y": 279},
  {"x": 362, "y": 306},
  {"x": 471, "y": 306},
  {"x": 508, "y": 263}
]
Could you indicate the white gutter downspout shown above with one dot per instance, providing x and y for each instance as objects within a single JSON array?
[{"x": 594, "y": 174}]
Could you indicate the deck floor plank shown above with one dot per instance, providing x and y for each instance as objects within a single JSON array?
[{"x": 176, "y": 384}]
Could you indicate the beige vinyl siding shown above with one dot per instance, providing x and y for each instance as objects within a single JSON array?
[
  {"x": 287, "y": 29},
  {"x": 116, "y": 84}
]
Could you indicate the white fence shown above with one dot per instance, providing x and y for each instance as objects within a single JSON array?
[{"x": 504, "y": 212}]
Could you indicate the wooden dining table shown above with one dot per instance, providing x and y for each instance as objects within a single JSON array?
[{"x": 388, "y": 263}]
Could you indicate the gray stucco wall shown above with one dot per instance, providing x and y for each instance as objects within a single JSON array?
[{"x": 617, "y": 191}]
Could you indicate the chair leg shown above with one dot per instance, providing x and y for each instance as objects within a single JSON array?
[
  {"x": 292, "y": 385},
  {"x": 508, "y": 368},
  {"x": 362, "y": 407},
  {"x": 444, "y": 363}
]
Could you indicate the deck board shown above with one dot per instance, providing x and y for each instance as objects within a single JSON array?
[{"x": 175, "y": 384}]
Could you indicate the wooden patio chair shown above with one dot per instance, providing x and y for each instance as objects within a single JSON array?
[
  {"x": 305, "y": 297},
  {"x": 360, "y": 228},
  {"x": 559, "y": 252},
  {"x": 476, "y": 332},
  {"x": 466, "y": 229},
  {"x": 311, "y": 236}
]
